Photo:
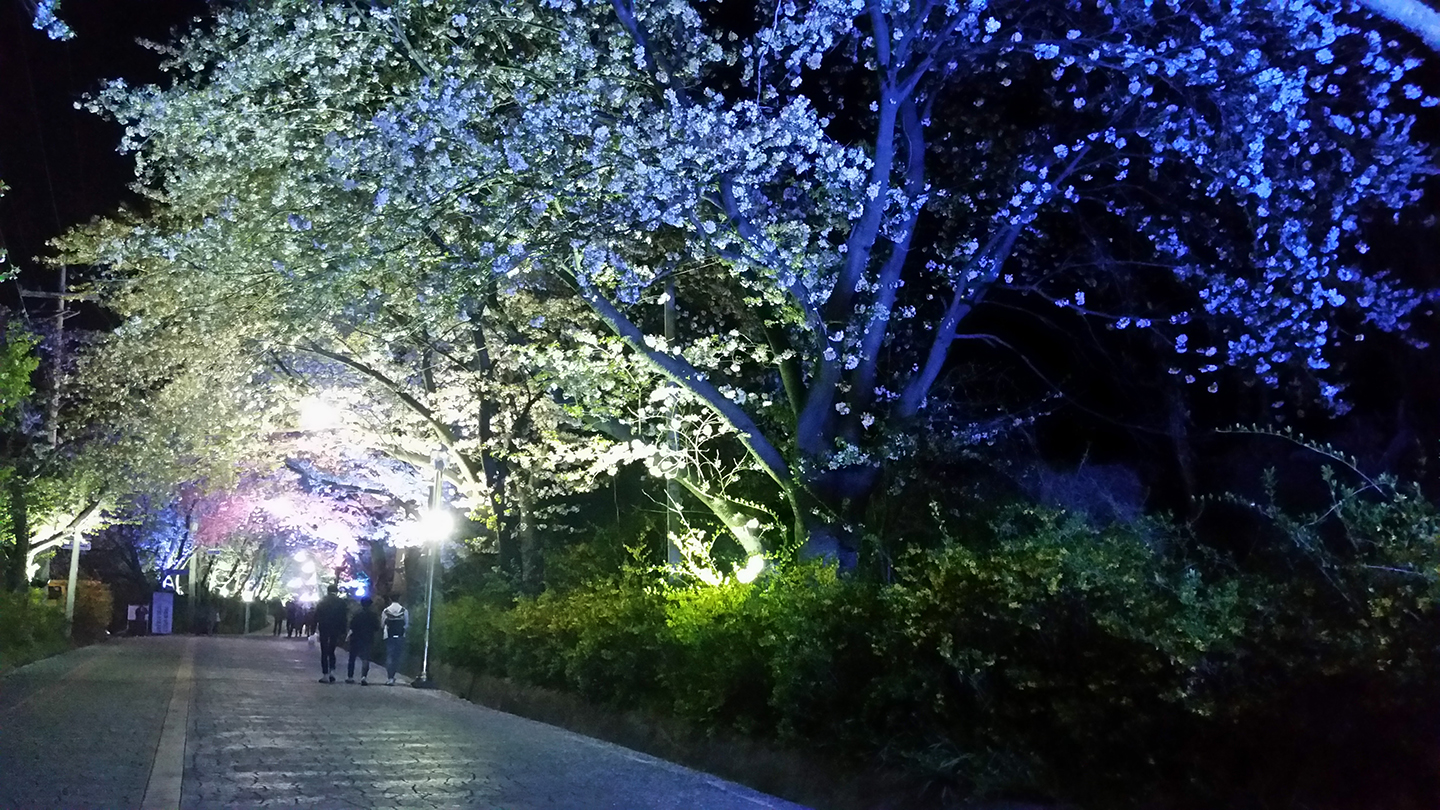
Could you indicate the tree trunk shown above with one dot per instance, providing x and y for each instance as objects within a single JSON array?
[
  {"x": 16, "y": 577},
  {"x": 507, "y": 539},
  {"x": 1179, "y": 429},
  {"x": 531, "y": 562},
  {"x": 380, "y": 570},
  {"x": 838, "y": 499}
]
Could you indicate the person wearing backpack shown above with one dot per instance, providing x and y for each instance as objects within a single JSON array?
[{"x": 394, "y": 621}]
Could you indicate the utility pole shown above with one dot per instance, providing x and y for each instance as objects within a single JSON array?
[
  {"x": 57, "y": 363},
  {"x": 437, "y": 458},
  {"x": 73, "y": 583},
  {"x": 192, "y": 593},
  {"x": 59, "y": 359}
]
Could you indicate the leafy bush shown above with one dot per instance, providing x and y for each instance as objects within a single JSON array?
[
  {"x": 1050, "y": 648},
  {"x": 29, "y": 629},
  {"x": 94, "y": 608},
  {"x": 1037, "y": 655}
]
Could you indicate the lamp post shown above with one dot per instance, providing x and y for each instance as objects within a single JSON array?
[
  {"x": 246, "y": 597},
  {"x": 436, "y": 527}
]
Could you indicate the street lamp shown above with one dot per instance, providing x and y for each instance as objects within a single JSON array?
[
  {"x": 247, "y": 597},
  {"x": 434, "y": 524}
]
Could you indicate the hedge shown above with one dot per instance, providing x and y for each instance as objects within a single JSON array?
[{"x": 1043, "y": 657}]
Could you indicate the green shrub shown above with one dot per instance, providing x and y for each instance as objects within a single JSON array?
[
  {"x": 1349, "y": 591},
  {"x": 94, "y": 608},
  {"x": 716, "y": 670},
  {"x": 1035, "y": 655},
  {"x": 30, "y": 629},
  {"x": 1054, "y": 648}
]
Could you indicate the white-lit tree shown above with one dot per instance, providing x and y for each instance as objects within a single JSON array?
[
  {"x": 863, "y": 177},
  {"x": 824, "y": 197}
]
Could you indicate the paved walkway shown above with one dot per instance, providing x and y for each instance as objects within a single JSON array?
[{"x": 242, "y": 723}]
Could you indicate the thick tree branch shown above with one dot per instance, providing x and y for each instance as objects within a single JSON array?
[
  {"x": 878, "y": 326},
  {"x": 680, "y": 371},
  {"x": 1415, "y": 16},
  {"x": 442, "y": 431}
]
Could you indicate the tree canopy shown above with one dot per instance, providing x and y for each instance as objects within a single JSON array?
[{"x": 827, "y": 198}]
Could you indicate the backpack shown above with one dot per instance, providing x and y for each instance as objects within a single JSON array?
[{"x": 394, "y": 625}]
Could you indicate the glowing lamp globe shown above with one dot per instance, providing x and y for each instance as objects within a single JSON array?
[{"x": 436, "y": 525}]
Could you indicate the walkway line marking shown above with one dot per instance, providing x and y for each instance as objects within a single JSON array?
[{"x": 167, "y": 774}]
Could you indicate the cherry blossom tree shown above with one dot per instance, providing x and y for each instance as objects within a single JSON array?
[
  {"x": 864, "y": 177},
  {"x": 792, "y": 224}
]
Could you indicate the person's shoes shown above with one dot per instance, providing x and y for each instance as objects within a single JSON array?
[
  {"x": 332, "y": 678},
  {"x": 390, "y": 682},
  {"x": 349, "y": 680},
  {"x": 363, "y": 682},
  {"x": 324, "y": 679}
]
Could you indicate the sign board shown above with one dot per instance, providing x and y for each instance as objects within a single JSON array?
[
  {"x": 162, "y": 613},
  {"x": 170, "y": 578}
]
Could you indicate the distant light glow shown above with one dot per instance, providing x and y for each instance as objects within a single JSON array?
[
  {"x": 308, "y": 567},
  {"x": 317, "y": 414},
  {"x": 295, "y": 583},
  {"x": 301, "y": 556}
]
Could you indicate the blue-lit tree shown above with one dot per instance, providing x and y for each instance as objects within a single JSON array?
[
  {"x": 824, "y": 197},
  {"x": 863, "y": 177}
]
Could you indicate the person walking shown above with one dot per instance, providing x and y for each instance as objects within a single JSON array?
[
  {"x": 362, "y": 637},
  {"x": 277, "y": 612},
  {"x": 292, "y": 618},
  {"x": 395, "y": 620},
  {"x": 330, "y": 617}
]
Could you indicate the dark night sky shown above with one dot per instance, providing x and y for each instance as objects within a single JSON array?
[{"x": 60, "y": 162}]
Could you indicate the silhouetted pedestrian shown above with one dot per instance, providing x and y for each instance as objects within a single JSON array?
[
  {"x": 362, "y": 637},
  {"x": 395, "y": 621},
  {"x": 277, "y": 612},
  {"x": 330, "y": 617},
  {"x": 292, "y": 618}
]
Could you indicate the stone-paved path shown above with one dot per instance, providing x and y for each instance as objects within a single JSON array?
[
  {"x": 82, "y": 730},
  {"x": 79, "y": 730}
]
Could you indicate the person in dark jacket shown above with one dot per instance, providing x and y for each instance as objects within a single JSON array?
[
  {"x": 363, "y": 626},
  {"x": 292, "y": 618},
  {"x": 330, "y": 616}
]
